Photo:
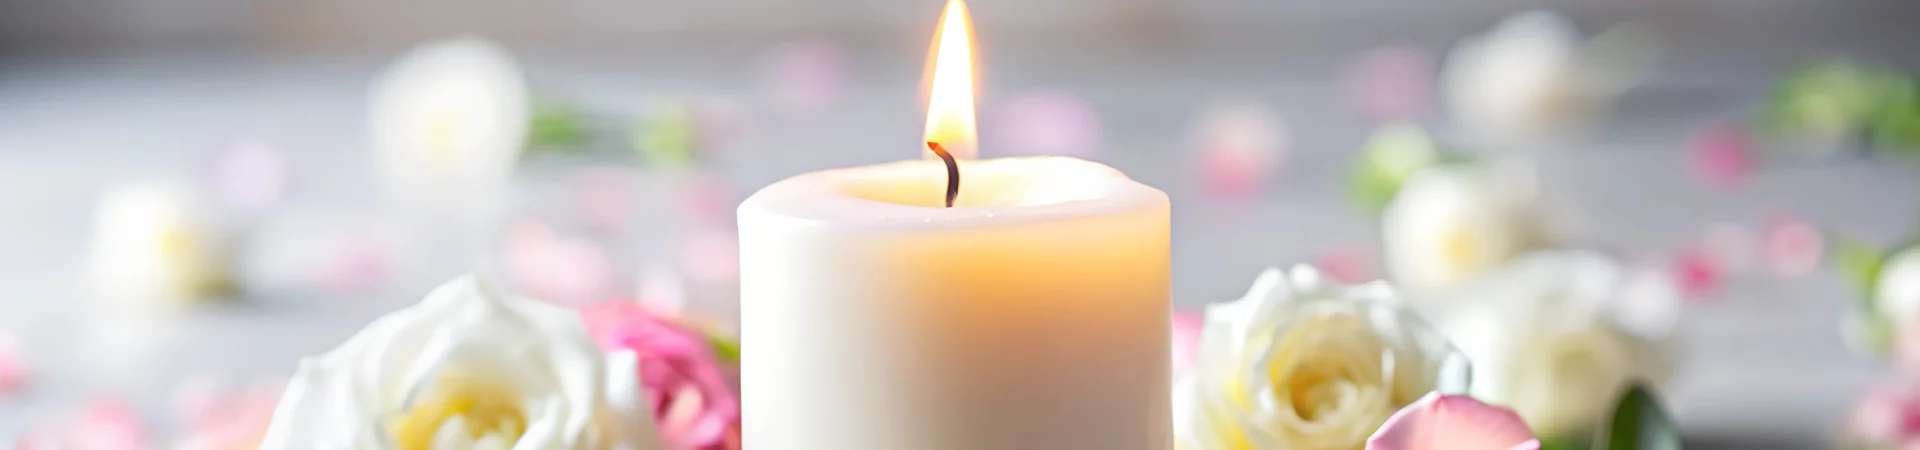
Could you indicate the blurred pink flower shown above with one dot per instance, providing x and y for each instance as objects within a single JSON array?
[
  {"x": 1886, "y": 416},
  {"x": 1348, "y": 265},
  {"x": 1794, "y": 247},
  {"x": 556, "y": 267},
  {"x": 1698, "y": 274},
  {"x": 1391, "y": 83},
  {"x": 692, "y": 401},
  {"x": 1241, "y": 144},
  {"x": 103, "y": 425},
  {"x": 1186, "y": 339},
  {"x": 217, "y": 420},
  {"x": 13, "y": 365},
  {"x": 1722, "y": 157},
  {"x": 360, "y": 263},
  {"x": 712, "y": 256},
  {"x": 707, "y": 198},
  {"x": 1049, "y": 122},
  {"x": 1453, "y": 422}
]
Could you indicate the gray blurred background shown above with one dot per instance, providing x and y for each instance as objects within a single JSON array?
[{"x": 95, "y": 90}]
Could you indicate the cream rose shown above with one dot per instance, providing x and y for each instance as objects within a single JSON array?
[
  {"x": 1302, "y": 363},
  {"x": 467, "y": 368},
  {"x": 1557, "y": 335},
  {"x": 447, "y": 122},
  {"x": 1896, "y": 295},
  {"x": 1449, "y": 224},
  {"x": 1533, "y": 75},
  {"x": 159, "y": 241}
]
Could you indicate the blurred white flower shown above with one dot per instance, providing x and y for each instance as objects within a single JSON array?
[
  {"x": 1896, "y": 297},
  {"x": 1557, "y": 335},
  {"x": 159, "y": 241},
  {"x": 467, "y": 368},
  {"x": 448, "y": 120},
  {"x": 1304, "y": 363},
  {"x": 1533, "y": 76},
  {"x": 1448, "y": 224}
]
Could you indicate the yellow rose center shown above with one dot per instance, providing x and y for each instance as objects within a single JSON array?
[
  {"x": 482, "y": 412},
  {"x": 443, "y": 128},
  {"x": 1332, "y": 374},
  {"x": 1457, "y": 248}
]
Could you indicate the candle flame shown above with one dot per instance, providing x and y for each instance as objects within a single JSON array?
[{"x": 950, "y": 116}]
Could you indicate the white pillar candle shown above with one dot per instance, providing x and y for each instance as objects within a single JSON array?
[{"x": 1031, "y": 315}]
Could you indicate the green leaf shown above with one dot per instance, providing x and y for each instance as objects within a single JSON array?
[
  {"x": 556, "y": 126},
  {"x": 1895, "y": 126},
  {"x": 726, "y": 348},
  {"x": 1639, "y": 423},
  {"x": 667, "y": 136},
  {"x": 1394, "y": 152},
  {"x": 1825, "y": 98},
  {"x": 1581, "y": 441},
  {"x": 1859, "y": 264}
]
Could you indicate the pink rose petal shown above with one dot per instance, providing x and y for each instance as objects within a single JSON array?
[
  {"x": 233, "y": 420},
  {"x": 1905, "y": 349},
  {"x": 661, "y": 293},
  {"x": 1452, "y": 422},
  {"x": 1347, "y": 266},
  {"x": 1794, "y": 247},
  {"x": 13, "y": 365},
  {"x": 708, "y": 199},
  {"x": 712, "y": 256},
  {"x": 1698, "y": 274},
  {"x": 558, "y": 268},
  {"x": 1240, "y": 145},
  {"x": 1049, "y": 123},
  {"x": 361, "y": 263},
  {"x": 1886, "y": 415},
  {"x": 1721, "y": 157},
  {"x": 677, "y": 362},
  {"x": 197, "y": 399},
  {"x": 1391, "y": 83},
  {"x": 1186, "y": 339},
  {"x": 108, "y": 425}
]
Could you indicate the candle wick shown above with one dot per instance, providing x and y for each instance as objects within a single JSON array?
[{"x": 953, "y": 171}]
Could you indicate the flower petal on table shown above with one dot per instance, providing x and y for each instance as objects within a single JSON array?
[{"x": 1440, "y": 422}]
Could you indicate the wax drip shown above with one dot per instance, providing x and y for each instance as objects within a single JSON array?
[{"x": 953, "y": 171}]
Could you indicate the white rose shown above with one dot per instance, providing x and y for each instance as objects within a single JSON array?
[
  {"x": 158, "y": 240},
  {"x": 1533, "y": 75},
  {"x": 1556, "y": 335},
  {"x": 1897, "y": 295},
  {"x": 1302, "y": 363},
  {"x": 448, "y": 120},
  {"x": 467, "y": 368},
  {"x": 1448, "y": 224}
]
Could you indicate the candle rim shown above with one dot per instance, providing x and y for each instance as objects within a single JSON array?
[{"x": 822, "y": 197}]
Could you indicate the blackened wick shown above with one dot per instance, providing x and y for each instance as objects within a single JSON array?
[{"x": 953, "y": 171}]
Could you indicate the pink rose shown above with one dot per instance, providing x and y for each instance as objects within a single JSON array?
[
  {"x": 1888, "y": 416},
  {"x": 692, "y": 401},
  {"x": 1453, "y": 422}
]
